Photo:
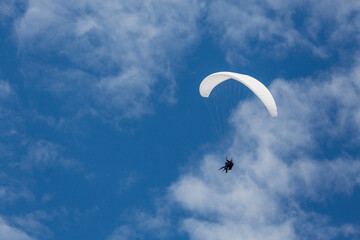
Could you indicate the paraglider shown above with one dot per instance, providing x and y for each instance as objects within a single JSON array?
[
  {"x": 212, "y": 81},
  {"x": 228, "y": 165}
]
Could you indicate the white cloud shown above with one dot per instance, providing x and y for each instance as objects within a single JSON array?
[
  {"x": 278, "y": 27},
  {"x": 31, "y": 223},
  {"x": 8, "y": 232},
  {"x": 27, "y": 226},
  {"x": 118, "y": 50}
]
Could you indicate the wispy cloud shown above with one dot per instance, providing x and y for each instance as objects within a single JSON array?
[
  {"x": 5, "y": 89},
  {"x": 15, "y": 141},
  {"x": 10, "y": 9},
  {"x": 10, "y": 117},
  {"x": 12, "y": 190},
  {"x": 124, "y": 233},
  {"x": 128, "y": 179},
  {"x": 43, "y": 154},
  {"x": 277, "y": 27},
  {"x": 143, "y": 223},
  {"x": 118, "y": 51}
]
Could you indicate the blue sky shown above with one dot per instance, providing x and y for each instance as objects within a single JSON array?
[{"x": 104, "y": 134}]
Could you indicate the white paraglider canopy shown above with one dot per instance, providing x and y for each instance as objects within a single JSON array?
[{"x": 211, "y": 81}]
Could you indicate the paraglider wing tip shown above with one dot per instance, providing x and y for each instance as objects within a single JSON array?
[
  {"x": 273, "y": 112},
  {"x": 204, "y": 91}
]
